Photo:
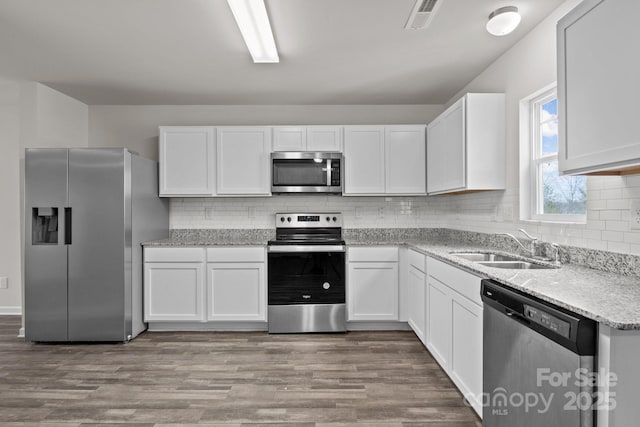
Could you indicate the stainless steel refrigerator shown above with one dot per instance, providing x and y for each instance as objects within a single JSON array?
[{"x": 86, "y": 212}]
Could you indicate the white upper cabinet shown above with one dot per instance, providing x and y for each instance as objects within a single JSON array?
[
  {"x": 324, "y": 138},
  {"x": 307, "y": 138},
  {"x": 384, "y": 160},
  {"x": 364, "y": 160},
  {"x": 405, "y": 160},
  {"x": 598, "y": 88},
  {"x": 290, "y": 138},
  {"x": 187, "y": 159},
  {"x": 466, "y": 145},
  {"x": 243, "y": 161}
]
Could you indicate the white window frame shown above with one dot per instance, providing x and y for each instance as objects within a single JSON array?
[{"x": 531, "y": 197}]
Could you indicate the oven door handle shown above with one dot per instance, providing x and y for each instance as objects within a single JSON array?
[{"x": 305, "y": 248}]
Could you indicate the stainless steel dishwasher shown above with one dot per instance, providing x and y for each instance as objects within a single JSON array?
[{"x": 538, "y": 362}]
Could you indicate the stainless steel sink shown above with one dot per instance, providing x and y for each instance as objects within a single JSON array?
[
  {"x": 501, "y": 261},
  {"x": 516, "y": 265},
  {"x": 484, "y": 256}
]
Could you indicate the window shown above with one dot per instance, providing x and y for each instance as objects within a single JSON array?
[{"x": 551, "y": 197}]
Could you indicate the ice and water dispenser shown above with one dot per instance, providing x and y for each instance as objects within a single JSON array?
[{"x": 44, "y": 227}]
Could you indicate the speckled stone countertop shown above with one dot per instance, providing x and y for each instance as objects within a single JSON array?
[
  {"x": 603, "y": 286},
  {"x": 214, "y": 237},
  {"x": 604, "y": 296}
]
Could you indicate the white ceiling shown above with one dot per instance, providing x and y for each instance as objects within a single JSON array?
[{"x": 191, "y": 52}]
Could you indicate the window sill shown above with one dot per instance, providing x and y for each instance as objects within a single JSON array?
[{"x": 554, "y": 221}]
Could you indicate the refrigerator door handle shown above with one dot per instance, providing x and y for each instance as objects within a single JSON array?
[{"x": 67, "y": 226}]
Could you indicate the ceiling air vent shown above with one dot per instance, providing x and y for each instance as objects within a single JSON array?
[{"x": 422, "y": 14}]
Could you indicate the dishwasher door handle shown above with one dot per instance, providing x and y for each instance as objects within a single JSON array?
[{"x": 517, "y": 316}]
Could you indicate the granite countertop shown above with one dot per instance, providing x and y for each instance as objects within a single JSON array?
[
  {"x": 606, "y": 297},
  {"x": 214, "y": 237},
  {"x": 600, "y": 293}
]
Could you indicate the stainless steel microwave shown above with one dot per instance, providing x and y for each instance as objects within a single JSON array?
[{"x": 301, "y": 172}]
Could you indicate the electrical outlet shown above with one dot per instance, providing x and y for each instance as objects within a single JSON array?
[
  {"x": 4, "y": 282},
  {"x": 209, "y": 213},
  {"x": 380, "y": 212},
  {"x": 507, "y": 212},
  {"x": 634, "y": 217},
  {"x": 251, "y": 212}
]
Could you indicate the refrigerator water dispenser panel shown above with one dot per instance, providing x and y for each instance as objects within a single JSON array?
[{"x": 44, "y": 229}]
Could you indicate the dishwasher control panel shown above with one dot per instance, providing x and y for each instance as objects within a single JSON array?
[{"x": 548, "y": 321}]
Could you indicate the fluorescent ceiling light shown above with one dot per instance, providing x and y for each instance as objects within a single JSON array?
[
  {"x": 253, "y": 21},
  {"x": 503, "y": 21}
]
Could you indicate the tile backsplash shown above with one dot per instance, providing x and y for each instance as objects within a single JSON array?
[{"x": 609, "y": 220}]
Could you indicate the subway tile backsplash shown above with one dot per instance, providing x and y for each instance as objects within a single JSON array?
[{"x": 608, "y": 226}]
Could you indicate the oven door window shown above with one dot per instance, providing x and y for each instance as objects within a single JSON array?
[
  {"x": 299, "y": 172},
  {"x": 306, "y": 278}
]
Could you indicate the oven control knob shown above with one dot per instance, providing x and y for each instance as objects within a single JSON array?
[
  {"x": 328, "y": 219},
  {"x": 326, "y": 285},
  {"x": 335, "y": 219},
  {"x": 281, "y": 219},
  {"x": 289, "y": 218}
]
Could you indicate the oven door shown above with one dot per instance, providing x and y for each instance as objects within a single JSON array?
[
  {"x": 306, "y": 173},
  {"x": 304, "y": 274}
]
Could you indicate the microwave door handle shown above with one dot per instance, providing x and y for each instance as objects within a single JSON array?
[{"x": 328, "y": 172}]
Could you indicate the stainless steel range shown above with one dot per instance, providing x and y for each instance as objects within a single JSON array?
[{"x": 306, "y": 264}]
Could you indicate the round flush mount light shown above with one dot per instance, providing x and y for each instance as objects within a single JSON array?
[{"x": 503, "y": 21}]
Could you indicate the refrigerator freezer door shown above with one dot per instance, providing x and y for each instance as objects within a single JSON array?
[
  {"x": 99, "y": 194},
  {"x": 45, "y": 251}
]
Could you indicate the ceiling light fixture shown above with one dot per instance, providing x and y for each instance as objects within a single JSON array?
[
  {"x": 253, "y": 21},
  {"x": 503, "y": 21}
]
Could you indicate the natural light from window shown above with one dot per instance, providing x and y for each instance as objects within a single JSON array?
[{"x": 552, "y": 197}]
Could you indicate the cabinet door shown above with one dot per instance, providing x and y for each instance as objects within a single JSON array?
[
  {"x": 236, "y": 291},
  {"x": 364, "y": 160},
  {"x": 439, "y": 322},
  {"x": 598, "y": 86},
  {"x": 405, "y": 155},
  {"x": 372, "y": 291},
  {"x": 173, "y": 291},
  {"x": 243, "y": 160},
  {"x": 187, "y": 161},
  {"x": 289, "y": 138},
  {"x": 466, "y": 349},
  {"x": 455, "y": 153},
  {"x": 324, "y": 138},
  {"x": 436, "y": 168},
  {"x": 416, "y": 294}
]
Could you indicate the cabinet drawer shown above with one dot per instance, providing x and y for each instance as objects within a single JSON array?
[
  {"x": 235, "y": 254},
  {"x": 417, "y": 260},
  {"x": 173, "y": 254},
  {"x": 464, "y": 283},
  {"x": 374, "y": 254}
]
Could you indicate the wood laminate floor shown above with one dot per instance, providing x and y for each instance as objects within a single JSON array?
[{"x": 227, "y": 379}]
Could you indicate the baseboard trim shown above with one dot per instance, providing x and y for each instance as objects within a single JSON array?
[
  {"x": 10, "y": 311},
  {"x": 378, "y": 326},
  {"x": 211, "y": 326},
  {"x": 262, "y": 326},
  {"x": 21, "y": 333}
]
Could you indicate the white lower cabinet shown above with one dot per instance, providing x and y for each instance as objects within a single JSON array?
[
  {"x": 173, "y": 284},
  {"x": 199, "y": 285},
  {"x": 417, "y": 294},
  {"x": 236, "y": 284},
  {"x": 372, "y": 284},
  {"x": 466, "y": 349},
  {"x": 439, "y": 322},
  {"x": 454, "y": 327}
]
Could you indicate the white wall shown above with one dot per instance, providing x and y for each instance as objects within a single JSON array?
[
  {"x": 136, "y": 127},
  {"x": 32, "y": 115},
  {"x": 10, "y": 254}
]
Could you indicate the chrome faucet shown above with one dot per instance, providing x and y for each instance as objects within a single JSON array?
[{"x": 532, "y": 249}]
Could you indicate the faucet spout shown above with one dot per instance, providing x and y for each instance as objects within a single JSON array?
[{"x": 531, "y": 250}]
